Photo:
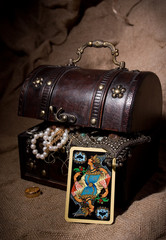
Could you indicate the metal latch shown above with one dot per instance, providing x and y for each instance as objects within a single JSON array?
[{"x": 62, "y": 117}]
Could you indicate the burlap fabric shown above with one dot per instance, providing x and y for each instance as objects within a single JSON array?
[{"x": 49, "y": 32}]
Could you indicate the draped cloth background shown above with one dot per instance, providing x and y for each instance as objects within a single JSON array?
[{"x": 49, "y": 32}]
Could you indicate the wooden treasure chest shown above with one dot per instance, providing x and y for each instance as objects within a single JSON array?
[{"x": 117, "y": 110}]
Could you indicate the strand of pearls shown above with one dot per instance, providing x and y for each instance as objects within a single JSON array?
[{"x": 57, "y": 136}]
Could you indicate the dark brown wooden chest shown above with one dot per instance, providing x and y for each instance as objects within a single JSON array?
[{"x": 116, "y": 101}]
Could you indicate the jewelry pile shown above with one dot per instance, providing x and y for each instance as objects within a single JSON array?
[{"x": 54, "y": 138}]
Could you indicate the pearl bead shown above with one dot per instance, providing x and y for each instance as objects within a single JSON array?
[
  {"x": 48, "y": 129},
  {"x": 37, "y": 155},
  {"x": 47, "y": 133},
  {"x": 36, "y": 136},
  {"x": 65, "y": 135},
  {"x": 42, "y": 156},
  {"x": 50, "y": 139},
  {"x": 45, "y": 154},
  {"x": 53, "y": 133},
  {"x": 45, "y": 143},
  {"x": 63, "y": 141},
  {"x": 35, "y": 151},
  {"x": 40, "y": 134},
  {"x": 54, "y": 148},
  {"x": 33, "y": 146},
  {"x": 44, "y": 149},
  {"x": 59, "y": 145},
  {"x": 51, "y": 148},
  {"x": 33, "y": 141},
  {"x": 45, "y": 137}
]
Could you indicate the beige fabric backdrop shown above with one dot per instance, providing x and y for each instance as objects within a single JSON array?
[{"x": 49, "y": 32}]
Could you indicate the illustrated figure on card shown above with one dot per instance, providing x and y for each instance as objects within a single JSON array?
[{"x": 90, "y": 185}]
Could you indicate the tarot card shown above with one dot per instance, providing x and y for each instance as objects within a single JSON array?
[{"x": 90, "y": 187}]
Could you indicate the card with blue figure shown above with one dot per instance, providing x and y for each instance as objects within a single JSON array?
[{"x": 90, "y": 188}]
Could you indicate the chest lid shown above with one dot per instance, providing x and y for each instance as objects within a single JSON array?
[{"x": 117, "y": 99}]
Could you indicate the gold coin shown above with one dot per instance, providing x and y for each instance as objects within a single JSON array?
[{"x": 32, "y": 192}]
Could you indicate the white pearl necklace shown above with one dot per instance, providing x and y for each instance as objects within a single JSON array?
[{"x": 50, "y": 136}]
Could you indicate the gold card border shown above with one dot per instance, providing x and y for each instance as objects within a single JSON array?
[{"x": 112, "y": 200}]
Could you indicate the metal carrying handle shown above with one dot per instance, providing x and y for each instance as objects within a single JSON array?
[{"x": 98, "y": 44}]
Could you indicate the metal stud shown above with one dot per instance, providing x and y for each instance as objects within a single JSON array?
[
  {"x": 43, "y": 173},
  {"x": 64, "y": 117},
  {"x": 42, "y": 113},
  {"x": 31, "y": 164},
  {"x": 93, "y": 121},
  {"x": 51, "y": 108},
  {"x": 101, "y": 87},
  {"x": 49, "y": 83}
]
